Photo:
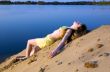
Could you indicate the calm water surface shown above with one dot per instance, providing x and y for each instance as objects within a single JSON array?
[{"x": 18, "y": 23}]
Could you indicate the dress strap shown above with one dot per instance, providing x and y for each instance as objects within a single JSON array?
[{"x": 64, "y": 27}]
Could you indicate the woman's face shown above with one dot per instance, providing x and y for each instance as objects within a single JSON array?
[{"x": 76, "y": 25}]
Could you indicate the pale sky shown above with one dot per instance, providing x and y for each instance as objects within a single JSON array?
[{"x": 58, "y": 0}]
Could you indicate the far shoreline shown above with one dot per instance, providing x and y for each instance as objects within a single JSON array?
[{"x": 54, "y": 3}]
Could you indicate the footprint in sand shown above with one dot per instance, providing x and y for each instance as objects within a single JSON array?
[
  {"x": 104, "y": 54},
  {"x": 69, "y": 63},
  {"x": 99, "y": 39},
  {"x": 56, "y": 61},
  {"x": 91, "y": 64},
  {"x": 42, "y": 70},
  {"x": 99, "y": 45},
  {"x": 91, "y": 50},
  {"x": 76, "y": 70},
  {"x": 59, "y": 63}
]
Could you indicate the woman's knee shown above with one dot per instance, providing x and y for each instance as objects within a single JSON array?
[
  {"x": 30, "y": 41},
  {"x": 36, "y": 48}
]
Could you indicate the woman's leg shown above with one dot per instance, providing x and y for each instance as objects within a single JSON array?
[
  {"x": 35, "y": 49},
  {"x": 30, "y": 47}
]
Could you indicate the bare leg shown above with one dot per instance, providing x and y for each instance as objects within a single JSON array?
[
  {"x": 35, "y": 49},
  {"x": 30, "y": 44},
  {"x": 28, "y": 49}
]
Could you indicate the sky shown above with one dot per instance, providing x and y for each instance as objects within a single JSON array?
[{"x": 57, "y": 0}]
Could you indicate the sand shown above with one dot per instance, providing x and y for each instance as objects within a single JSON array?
[{"x": 89, "y": 53}]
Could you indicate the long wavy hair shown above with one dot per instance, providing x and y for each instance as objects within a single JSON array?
[{"x": 77, "y": 33}]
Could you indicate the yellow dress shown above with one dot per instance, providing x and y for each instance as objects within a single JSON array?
[
  {"x": 43, "y": 42},
  {"x": 47, "y": 41}
]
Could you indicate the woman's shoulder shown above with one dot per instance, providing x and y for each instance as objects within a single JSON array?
[{"x": 63, "y": 27}]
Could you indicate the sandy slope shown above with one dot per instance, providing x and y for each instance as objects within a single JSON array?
[{"x": 89, "y": 53}]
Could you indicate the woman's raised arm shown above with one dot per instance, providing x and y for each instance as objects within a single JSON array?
[{"x": 61, "y": 44}]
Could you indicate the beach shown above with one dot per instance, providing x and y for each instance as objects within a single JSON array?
[{"x": 88, "y": 53}]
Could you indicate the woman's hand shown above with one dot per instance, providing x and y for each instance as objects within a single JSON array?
[{"x": 53, "y": 53}]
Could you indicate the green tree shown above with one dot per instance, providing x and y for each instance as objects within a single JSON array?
[{"x": 40, "y": 2}]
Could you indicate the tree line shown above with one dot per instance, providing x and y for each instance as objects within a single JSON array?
[{"x": 56, "y": 3}]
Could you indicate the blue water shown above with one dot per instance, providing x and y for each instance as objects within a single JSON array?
[{"x": 18, "y": 23}]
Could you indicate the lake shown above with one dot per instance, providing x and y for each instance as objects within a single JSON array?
[{"x": 18, "y": 23}]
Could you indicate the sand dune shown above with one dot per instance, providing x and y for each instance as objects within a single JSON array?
[{"x": 89, "y": 53}]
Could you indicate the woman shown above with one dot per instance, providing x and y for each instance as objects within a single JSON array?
[
  {"x": 77, "y": 29},
  {"x": 34, "y": 45}
]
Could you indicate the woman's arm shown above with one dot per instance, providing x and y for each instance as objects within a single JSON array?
[{"x": 61, "y": 44}]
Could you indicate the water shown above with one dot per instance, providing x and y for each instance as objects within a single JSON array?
[{"x": 18, "y": 23}]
